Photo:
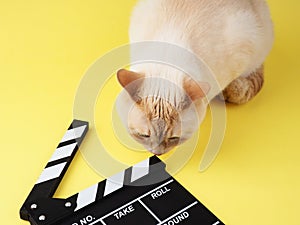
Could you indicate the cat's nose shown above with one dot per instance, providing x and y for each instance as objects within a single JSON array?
[{"x": 156, "y": 152}]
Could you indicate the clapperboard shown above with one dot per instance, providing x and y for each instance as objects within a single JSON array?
[{"x": 144, "y": 194}]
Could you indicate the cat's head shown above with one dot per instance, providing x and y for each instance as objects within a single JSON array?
[{"x": 156, "y": 122}]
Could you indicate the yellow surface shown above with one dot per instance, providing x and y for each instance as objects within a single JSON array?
[{"x": 45, "y": 48}]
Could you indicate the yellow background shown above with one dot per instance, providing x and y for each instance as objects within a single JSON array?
[{"x": 45, "y": 48}]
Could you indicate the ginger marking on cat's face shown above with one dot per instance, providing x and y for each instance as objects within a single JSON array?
[
  {"x": 161, "y": 129},
  {"x": 157, "y": 123}
]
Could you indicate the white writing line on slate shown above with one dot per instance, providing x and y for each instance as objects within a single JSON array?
[{"x": 184, "y": 209}]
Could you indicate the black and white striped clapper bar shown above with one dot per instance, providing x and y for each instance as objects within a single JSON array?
[{"x": 144, "y": 194}]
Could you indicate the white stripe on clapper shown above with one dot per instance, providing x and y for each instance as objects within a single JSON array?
[
  {"x": 216, "y": 223},
  {"x": 51, "y": 172},
  {"x": 86, "y": 197},
  {"x": 114, "y": 183},
  {"x": 73, "y": 133},
  {"x": 63, "y": 152},
  {"x": 139, "y": 170}
]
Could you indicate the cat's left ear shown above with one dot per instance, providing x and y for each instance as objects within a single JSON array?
[
  {"x": 131, "y": 81},
  {"x": 195, "y": 90}
]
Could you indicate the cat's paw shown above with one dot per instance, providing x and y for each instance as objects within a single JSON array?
[
  {"x": 237, "y": 91},
  {"x": 243, "y": 89}
]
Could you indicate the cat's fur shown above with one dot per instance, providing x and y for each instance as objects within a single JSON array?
[{"x": 233, "y": 37}]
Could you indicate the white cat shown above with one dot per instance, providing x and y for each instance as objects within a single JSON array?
[{"x": 233, "y": 37}]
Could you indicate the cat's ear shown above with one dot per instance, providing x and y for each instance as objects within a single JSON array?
[
  {"x": 131, "y": 81},
  {"x": 195, "y": 90}
]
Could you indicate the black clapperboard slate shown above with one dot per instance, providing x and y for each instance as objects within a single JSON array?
[{"x": 142, "y": 194}]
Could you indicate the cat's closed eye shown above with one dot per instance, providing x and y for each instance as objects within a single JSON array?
[
  {"x": 144, "y": 135},
  {"x": 173, "y": 139},
  {"x": 141, "y": 135}
]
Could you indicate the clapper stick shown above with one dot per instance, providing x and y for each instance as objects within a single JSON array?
[
  {"x": 142, "y": 194},
  {"x": 56, "y": 167}
]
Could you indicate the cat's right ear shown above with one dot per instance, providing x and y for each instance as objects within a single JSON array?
[
  {"x": 195, "y": 90},
  {"x": 131, "y": 81}
]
